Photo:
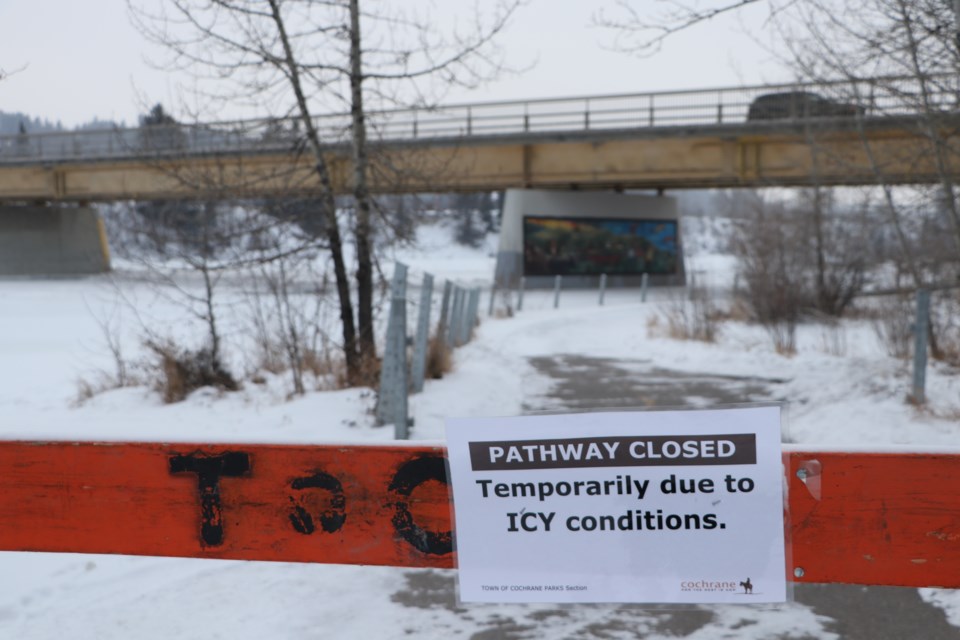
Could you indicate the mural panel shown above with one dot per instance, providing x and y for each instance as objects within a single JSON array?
[{"x": 592, "y": 246}]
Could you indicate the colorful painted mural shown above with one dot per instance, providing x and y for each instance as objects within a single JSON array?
[{"x": 592, "y": 246}]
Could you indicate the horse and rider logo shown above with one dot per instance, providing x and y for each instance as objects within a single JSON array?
[{"x": 747, "y": 586}]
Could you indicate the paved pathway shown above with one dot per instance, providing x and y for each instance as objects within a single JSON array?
[{"x": 836, "y": 611}]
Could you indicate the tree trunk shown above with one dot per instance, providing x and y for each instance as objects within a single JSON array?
[
  {"x": 361, "y": 194},
  {"x": 330, "y": 210},
  {"x": 824, "y": 301}
]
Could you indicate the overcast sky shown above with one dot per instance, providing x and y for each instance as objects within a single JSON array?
[{"x": 80, "y": 60}]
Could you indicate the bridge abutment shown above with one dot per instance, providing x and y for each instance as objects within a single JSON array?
[{"x": 41, "y": 240}]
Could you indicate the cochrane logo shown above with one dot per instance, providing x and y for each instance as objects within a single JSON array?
[{"x": 717, "y": 586}]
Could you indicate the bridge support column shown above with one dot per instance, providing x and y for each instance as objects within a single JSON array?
[{"x": 52, "y": 240}]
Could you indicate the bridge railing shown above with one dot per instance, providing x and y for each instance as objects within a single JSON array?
[{"x": 877, "y": 97}]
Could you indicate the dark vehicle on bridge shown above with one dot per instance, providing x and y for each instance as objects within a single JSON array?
[{"x": 799, "y": 104}]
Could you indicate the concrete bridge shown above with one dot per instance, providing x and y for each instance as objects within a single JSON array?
[
  {"x": 838, "y": 133},
  {"x": 841, "y": 133}
]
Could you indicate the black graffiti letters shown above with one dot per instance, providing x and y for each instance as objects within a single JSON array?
[
  {"x": 317, "y": 502},
  {"x": 209, "y": 469},
  {"x": 332, "y": 519},
  {"x": 409, "y": 476}
]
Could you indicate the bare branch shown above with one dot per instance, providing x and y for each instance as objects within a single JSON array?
[{"x": 636, "y": 34}]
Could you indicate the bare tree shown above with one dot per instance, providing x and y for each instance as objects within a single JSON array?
[
  {"x": 286, "y": 301},
  {"x": 294, "y": 57},
  {"x": 899, "y": 57}
]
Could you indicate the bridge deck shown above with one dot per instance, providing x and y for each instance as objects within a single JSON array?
[{"x": 682, "y": 139}]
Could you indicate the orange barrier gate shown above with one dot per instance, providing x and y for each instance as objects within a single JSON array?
[{"x": 862, "y": 518}]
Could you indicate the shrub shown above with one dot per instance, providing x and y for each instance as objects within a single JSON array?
[
  {"x": 945, "y": 327},
  {"x": 833, "y": 339},
  {"x": 894, "y": 325},
  {"x": 177, "y": 372},
  {"x": 693, "y": 319},
  {"x": 783, "y": 333},
  {"x": 796, "y": 260}
]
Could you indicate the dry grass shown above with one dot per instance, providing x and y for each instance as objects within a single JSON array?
[
  {"x": 329, "y": 372},
  {"x": 176, "y": 372},
  {"x": 87, "y": 387},
  {"x": 893, "y": 325},
  {"x": 319, "y": 368},
  {"x": 948, "y": 350},
  {"x": 439, "y": 358},
  {"x": 945, "y": 321},
  {"x": 654, "y": 329},
  {"x": 271, "y": 357},
  {"x": 784, "y": 337},
  {"x": 833, "y": 339},
  {"x": 737, "y": 310},
  {"x": 367, "y": 375},
  {"x": 693, "y": 319}
]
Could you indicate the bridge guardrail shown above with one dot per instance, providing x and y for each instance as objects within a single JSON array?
[{"x": 897, "y": 96}]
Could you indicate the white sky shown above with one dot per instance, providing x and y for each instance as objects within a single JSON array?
[{"x": 80, "y": 60}]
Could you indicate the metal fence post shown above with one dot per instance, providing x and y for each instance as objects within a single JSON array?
[
  {"x": 423, "y": 334},
  {"x": 445, "y": 310},
  {"x": 644, "y": 279},
  {"x": 556, "y": 291},
  {"x": 473, "y": 313},
  {"x": 463, "y": 319},
  {"x": 454, "y": 327},
  {"x": 523, "y": 284},
  {"x": 920, "y": 346},
  {"x": 603, "y": 287},
  {"x": 392, "y": 399}
]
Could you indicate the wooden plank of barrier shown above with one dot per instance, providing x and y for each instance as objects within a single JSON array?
[
  {"x": 355, "y": 505},
  {"x": 876, "y": 518},
  {"x": 863, "y": 518}
]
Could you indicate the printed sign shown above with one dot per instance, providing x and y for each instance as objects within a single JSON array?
[{"x": 652, "y": 506}]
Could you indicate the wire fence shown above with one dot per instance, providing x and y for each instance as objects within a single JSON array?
[{"x": 734, "y": 106}]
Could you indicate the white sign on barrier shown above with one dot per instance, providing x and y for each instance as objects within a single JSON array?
[{"x": 650, "y": 506}]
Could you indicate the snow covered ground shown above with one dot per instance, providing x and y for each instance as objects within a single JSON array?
[{"x": 841, "y": 390}]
